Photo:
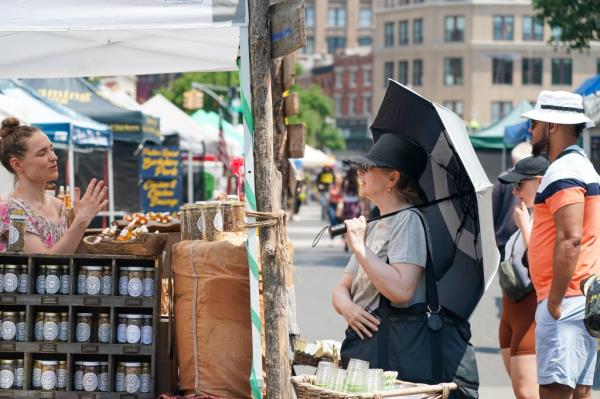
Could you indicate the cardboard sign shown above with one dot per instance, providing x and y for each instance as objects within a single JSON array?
[{"x": 288, "y": 32}]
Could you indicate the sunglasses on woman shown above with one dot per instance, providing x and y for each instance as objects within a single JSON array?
[{"x": 517, "y": 184}]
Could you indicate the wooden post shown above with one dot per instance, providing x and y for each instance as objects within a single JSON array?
[{"x": 277, "y": 360}]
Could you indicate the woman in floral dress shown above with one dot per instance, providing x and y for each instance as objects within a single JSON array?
[{"x": 27, "y": 153}]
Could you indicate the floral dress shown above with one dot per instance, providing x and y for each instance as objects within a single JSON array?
[{"x": 48, "y": 231}]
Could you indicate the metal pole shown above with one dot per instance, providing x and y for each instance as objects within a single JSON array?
[
  {"x": 71, "y": 158},
  {"x": 111, "y": 187},
  {"x": 190, "y": 177}
]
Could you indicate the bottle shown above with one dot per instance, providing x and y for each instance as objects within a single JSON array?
[
  {"x": 51, "y": 189},
  {"x": 67, "y": 199},
  {"x": 61, "y": 193}
]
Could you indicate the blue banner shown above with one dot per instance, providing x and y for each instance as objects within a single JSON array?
[{"x": 160, "y": 170}]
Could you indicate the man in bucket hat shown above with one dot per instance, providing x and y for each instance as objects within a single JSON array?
[{"x": 564, "y": 246}]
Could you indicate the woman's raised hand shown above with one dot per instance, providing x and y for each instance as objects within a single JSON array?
[
  {"x": 93, "y": 201},
  {"x": 362, "y": 322},
  {"x": 521, "y": 216},
  {"x": 355, "y": 235}
]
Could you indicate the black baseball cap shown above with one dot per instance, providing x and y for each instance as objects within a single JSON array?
[
  {"x": 526, "y": 169},
  {"x": 394, "y": 152}
]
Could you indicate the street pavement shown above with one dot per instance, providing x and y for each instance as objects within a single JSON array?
[{"x": 318, "y": 270}]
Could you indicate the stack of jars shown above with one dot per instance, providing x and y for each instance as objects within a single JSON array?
[
  {"x": 133, "y": 377},
  {"x": 91, "y": 376},
  {"x": 14, "y": 279},
  {"x": 51, "y": 327},
  {"x": 136, "y": 281},
  {"x": 49, "y": 375},
  {"x": 134, "y": 329},
  {"x": 53, "y": 279},
  {"x": 94, "y": 280},
  {"x": 12, "y": 373},
  {"x": 85, "y": 326},
  {"x": 13, "y": 326}
]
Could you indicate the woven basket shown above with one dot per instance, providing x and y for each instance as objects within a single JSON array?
[
  {"x": 174, "y": 226},
  {"x": 148, "y": 245},
  {"x": 306, "y": 390}
]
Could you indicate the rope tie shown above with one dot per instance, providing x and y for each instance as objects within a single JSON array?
[{"x": 195, "y": 318}]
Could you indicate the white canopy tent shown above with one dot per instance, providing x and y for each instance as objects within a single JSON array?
[{"x": 315, "y": 159}]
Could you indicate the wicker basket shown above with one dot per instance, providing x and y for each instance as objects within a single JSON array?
[
  {"x": 174, "y": 226},
  {"x": 306, "y": 390},
  {"x": 148, "y": 245}
]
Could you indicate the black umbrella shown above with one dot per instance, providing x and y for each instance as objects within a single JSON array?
[{"x": 461, "y": 228}]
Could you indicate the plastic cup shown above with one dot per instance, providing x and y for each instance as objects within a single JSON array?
[
  {"x": 375, "y": 380},
  {"x": 356, "y": 376},
  {"x": 390, "y": 379},
  {"x": 325, "y": 374},
  {"x": 339, "y": 380}
]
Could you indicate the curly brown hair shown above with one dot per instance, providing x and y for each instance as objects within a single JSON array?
[{"x": 13, "y": 137}]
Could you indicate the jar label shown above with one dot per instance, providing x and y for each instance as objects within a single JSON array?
[
  {"x": 50, "y": 331},
  {"x": 6, "y": 379},
  {"x": 93, "y": 285},
  {"x": 135, "y": 287},
  {"x": 81, "y": 284},
  {"x": 123, "y": 283},
  {"x": 39, "y": 331},
  {"x": 63, "y": 331},
  {"x": 200, "y": 224},
  {"x": 104, "y": 333},
  {"x": 13, "y": 235},
  {"x": 148, "y": 287},
  {"x": 218, "y": 221},
  {"x": 121, "y": 333},
  {"x": 52, "y": 284},
  {"x": 106, "y": 285},
  {"x": 78, "y": 380},
  {"x": 11, "y": 282},
  {"x": 132, "y": 383},
  {"x": 103, "y": 382},
  {"x": 90, "y": 382},
  {"x": 133, "y": 334},
  {"x": 147, "y": 335},
  {"x": 48, "y": 380},
  {"x": 19, "y": 377},
  {"x": 120, "y": 382},
  {"x": 65, "y": 284},
  {"x": 37, "y": 378},
  {"x": 23, "y": 283},
  {"x": 40, "y": 285},
  {"x": 83, "y": 332},
  {"x": 9, "y": 330},
  {"x": 61, "y": 376},
  {"x": 145, "y": 383},
  {"x": 21, "y": 331}
]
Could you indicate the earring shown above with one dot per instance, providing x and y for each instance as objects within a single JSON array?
[{"x": 389, "y": 189}]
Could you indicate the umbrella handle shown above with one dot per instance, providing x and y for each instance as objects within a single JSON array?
[{"x": 337, "y": 230}]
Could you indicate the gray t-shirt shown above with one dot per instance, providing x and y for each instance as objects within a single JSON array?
[{"x": 398, "y": 239}]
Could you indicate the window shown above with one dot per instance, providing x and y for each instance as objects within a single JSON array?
[
  {"x": 353, "y": 77},
  {"x": 417, "y": 72},
  {"x": 339, "y": 77},
  {"x": 365, "y": 41},
  {"x": 533, "y": 29},
  {"x": 364, "y": 18},
  {"x": 366, "y": 104},
  {"x": 310, "y": 45},
  {"x": 503, "y": 27},
  {"x": 556, "y": 33},
  {"x": 334, "y": 43},
  {"x": 336, "y": 17},
  {"x": 403, "y": 72},
  {"x": 532, "y": 71},
  {"x": 418, "y": 31},
  {"x": 338, "y": 104},
  {"x": 309, "y": 17},
  {"x": 367, "y": 77},
  {"x": 388, "y": 31},
  {"x": 562, "y": 71},
  {"x": 388, "y": 72},
  {"x": 455, "y": 106},
  {"x": 500, "y": 109},
  {"x": 454, "y": 29},
  {"x": 403, "y": 33},
  {"x": 352, "y": 104},
  {"x": 502, "y": 71},
  {"x": 453, "y": 75}
]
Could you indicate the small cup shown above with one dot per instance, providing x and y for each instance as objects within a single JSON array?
[
  {"x": 356, "y": 376},
  {"x": 339, "y": 379},
  {"x": 325, "y": 374},
  {"x": 375, "y": 380}
]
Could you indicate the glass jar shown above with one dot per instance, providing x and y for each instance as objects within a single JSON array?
[
  {"x": 103, "y": 377},
  {"x": 106, "y": 280},
  {"x": 63, "y": 328},
  {"x": 11, "y": 278},
  {"x": 9, "y": 326},
  {"x": 21, "y": 327},
  {"x": 147, "y": 329},
  {"x": 148, "y": 281},
  {"x": 83, "y": 328},
  {"x": 90, "y": 376},
  {"x": 36, "y": 375},
  {"x": 82, "y": 280},
  {"x": 16, "y": 233},
  {"x": 49, "y": 378},
  {"x": 61, "y": 376},
  {"x": 104, "y": 328},
  {"x": 120, "y": 377},
  {"x": 65, "y": 280},
  {"x": 40, "y": 280},
  {"x": 132, "y": 376},
  {"x": 121, "y": 328},
  {"x": 38, "y": 329},
  {"x": 19, "y": 374},
  {"x": 23, "y": 279},
  {"x": 51, "y": 322},
  {"x": 1, "y": 278},
  {"x": 134, "y": 328},
  {"x": 145, "y": 378},
  {"x": 7, "y": 374},
  {"x": 135, "y": 282},
  {"x": 78, "y": 377},
  {"x": 94, "y": 280},
  {"x": 123, "y": 281},
  {"x": 52, "y": 283}
]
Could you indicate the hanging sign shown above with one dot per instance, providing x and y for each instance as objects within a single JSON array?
[{"x": 160, "y": 171}]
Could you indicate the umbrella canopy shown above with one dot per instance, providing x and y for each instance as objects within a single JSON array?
[
  {"x": 461, "y": 229},
  {"x": 590, "y": 86}
]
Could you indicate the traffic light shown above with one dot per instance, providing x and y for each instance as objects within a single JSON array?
[{"x": 193, "y": 99}]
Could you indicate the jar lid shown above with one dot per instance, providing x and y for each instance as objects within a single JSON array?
[
  {"x": 9, "y": 313},
  {"x": 136, "y": 269},
  {"x": 94, "y": 268},
  {"x": 7, "y": 361},
  {"x": 134, "y": 316},
  {"x": 148, "y": 269},
  {"x": 84, "y": 315},
  {"x": 51, "y": 314},
  {"x": 132, "y": 364},
  {"x": 90, "y": 364},
  {"x": 11, "y": 266},
  {"x": 147, "y": 316},
  {"x": 52, "y": 267},
  {"x": 49, "y": 362}
]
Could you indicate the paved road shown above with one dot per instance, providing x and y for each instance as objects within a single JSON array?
[{"x": 317, "y": 270}]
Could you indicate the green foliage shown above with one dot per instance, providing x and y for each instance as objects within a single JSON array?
[
  {"x": 208, "y": 186},
  {"x": 579, "y": 20}
]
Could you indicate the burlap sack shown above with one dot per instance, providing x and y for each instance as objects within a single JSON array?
[{"x": 212, "y": 317}]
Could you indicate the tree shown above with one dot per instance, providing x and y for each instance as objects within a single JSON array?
[{"x": 579, "y": 21}]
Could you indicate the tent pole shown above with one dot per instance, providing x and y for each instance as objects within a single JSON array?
[
  {"x": 71, "y": 158},
  {"x": 111, "y": 187},
  {"x": 190, "y": 178}
]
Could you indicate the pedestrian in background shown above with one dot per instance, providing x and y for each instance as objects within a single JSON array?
[
  {"x": 350, "y": 205},
  {"x": 517, "y": 325},
  {"x": 564, "y": 246},
  {"x": 324, "y": 179}
]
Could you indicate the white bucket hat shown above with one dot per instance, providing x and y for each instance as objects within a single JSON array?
[{"x": 559, "y": 107}]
